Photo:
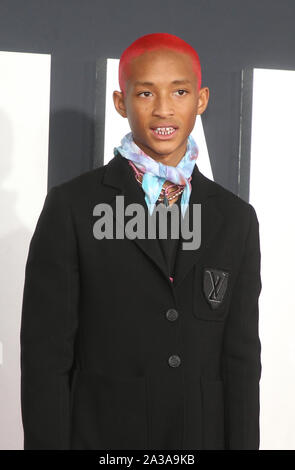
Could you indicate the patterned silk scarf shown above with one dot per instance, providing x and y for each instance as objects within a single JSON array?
[{"x": 156, "y": 173}]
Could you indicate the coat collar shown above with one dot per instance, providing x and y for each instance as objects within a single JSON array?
[{"x": 119, "y": 178}]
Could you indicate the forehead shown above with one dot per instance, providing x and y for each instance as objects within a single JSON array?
[
  {"x": 161, "y": 56},
  {"x": 160, "y": 65},
  {"x": 183, "y": 81}
]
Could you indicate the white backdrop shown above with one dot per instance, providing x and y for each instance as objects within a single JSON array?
[
  {"x": 272, "y": 192},
  {"x": 24, "y": 124}
]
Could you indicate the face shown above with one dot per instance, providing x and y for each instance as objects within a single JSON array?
[{"x": 153, "y": 101}]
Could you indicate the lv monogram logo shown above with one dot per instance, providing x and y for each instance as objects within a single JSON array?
[{"x": 215, "y": 283}]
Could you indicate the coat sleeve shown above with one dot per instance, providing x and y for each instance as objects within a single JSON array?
[
  {"x": 48, "y": 325},
  {"x": 241, "y": 365}
]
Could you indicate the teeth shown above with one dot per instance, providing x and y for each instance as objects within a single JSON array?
[{"x": 164, "y": 130}]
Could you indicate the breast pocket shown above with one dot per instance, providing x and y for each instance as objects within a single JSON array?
[
  {"x": 212, "y": 289},
  {"x": 109, "y": 412}
]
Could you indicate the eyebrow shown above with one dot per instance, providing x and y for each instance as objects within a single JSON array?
[{"x": 175, "y": 82}]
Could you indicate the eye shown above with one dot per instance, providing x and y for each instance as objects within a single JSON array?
[
  {"x": 185, "y": 91},
  {"x": 143, "y": 92},
  {"x": 146, "y": 92}
]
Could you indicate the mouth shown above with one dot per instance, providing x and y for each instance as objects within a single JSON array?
[{"x": 164, "y": 133}]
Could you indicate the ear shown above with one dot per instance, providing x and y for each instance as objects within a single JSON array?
[
  {"x": 203, "y": 100},
  {"x": 119, "y": 103}
]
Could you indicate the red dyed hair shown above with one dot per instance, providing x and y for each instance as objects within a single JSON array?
[{"x": 151, "y": 42}]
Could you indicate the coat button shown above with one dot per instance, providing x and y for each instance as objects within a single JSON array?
[
  {"x": 172, "y": 314},
  {"x": 174, "y": 361}
]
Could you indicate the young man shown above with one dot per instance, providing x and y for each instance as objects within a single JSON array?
[{"x": 141, "y": 343}]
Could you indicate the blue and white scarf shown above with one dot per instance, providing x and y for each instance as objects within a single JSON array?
[{"x": 156, "y": 173}]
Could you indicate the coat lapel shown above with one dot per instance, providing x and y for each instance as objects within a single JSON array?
[
  {"x": 120, "y": 176},
  {"x": 203, "y": 192}
]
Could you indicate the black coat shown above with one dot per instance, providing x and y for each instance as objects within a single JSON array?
[{"x": 116, "y": 356}]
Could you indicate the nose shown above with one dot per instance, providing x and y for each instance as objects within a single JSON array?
[{"x": 163, "y": 106}]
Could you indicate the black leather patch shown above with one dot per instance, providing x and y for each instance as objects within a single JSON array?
[{"x": 215, "y": 282}]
